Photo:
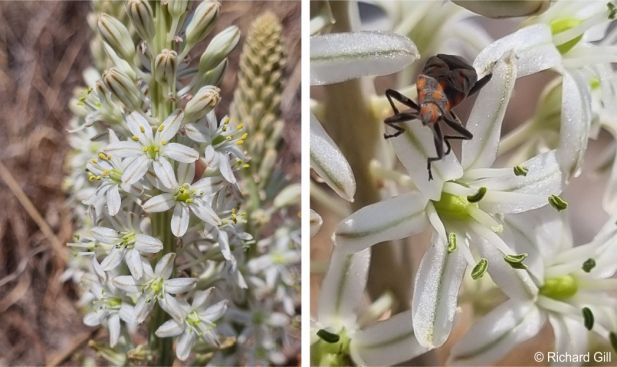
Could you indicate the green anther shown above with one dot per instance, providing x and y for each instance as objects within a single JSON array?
[
  {"x": 595, "y": 83},
  {"x": 453, "y": 207},
  {"x": 612, "y": 337},
  {"x": 184, "y": 194},
  {"x": 562, "y": 25},
  {"x": 516, "y": 261},
  {"x": 520, "y": 170},
  {"x": 477, "y": 196},
  {"x": 612, "y": 10},
  {"x": 451, "y": 242},
  {"x": 192, "y": 319},
  {"x": 218, "y": 140},
  {"x": 588, "y": 318},
  {"x": 152, "y": 151},
  {"x": 327, "y": 336},
  {"x": 561, "y": 287},
  {"x": 113, "y": 302},
  {"x": 481, "y": 267},
  {"x": 557, "y": 202},
  {"x": 588, "y": 265}
]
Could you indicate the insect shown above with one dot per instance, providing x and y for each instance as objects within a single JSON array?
[{"x": 444, "y": 82}]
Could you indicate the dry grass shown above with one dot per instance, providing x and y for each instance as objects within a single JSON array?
[{"x": 43, "y": 50}]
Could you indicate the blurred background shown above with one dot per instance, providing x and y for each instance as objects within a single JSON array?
[{"x": 43, "y": 52}]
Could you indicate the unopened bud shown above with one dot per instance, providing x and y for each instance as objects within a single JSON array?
[
  {"x": 165, "y": 65},
  {"x": 290, "y": 195},
  {"x": 176, "y": 8},
  {"x": 203, "y": 19},
  {"x": 267, "y": 164},
  {"x": 117, "y": 36},
  {"x": 142, "y": 17},
  {"x": 203, "y": 102},
  {"x": 504, "y": 9},
  {"x": 214, "y": 76},
  {"x": 218, "y": 49},
  {"x": 123, "y": 88}
]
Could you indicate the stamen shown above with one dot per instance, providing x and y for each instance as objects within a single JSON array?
[
  {"x": 588, "y": 318},
  {"x": 481, "y": 267},
  {"x": 557, "y": 202},
  {"x": 520, "y": 170},
  {"x": 477, "y": 196},
  {"x": 516, "y": 261},
  {"x": 588, "y": 265},
  {"x": 327, "y": 336},
  {"x": 451, "y": 242}
]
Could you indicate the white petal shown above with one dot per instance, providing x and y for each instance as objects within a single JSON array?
[
  {"x": 124, "y": 149},
  {"x": 337, "y": 57},
  {"x": 224, "y": 245},
  {"x": 113, "y": 200},
  {"x": 201, "y": 297},
  {"x": 487, "y": 115},
  {"x": 180, "y": 220},
  {"x": 571, "y": 336},
  {"x": 494, "y": 335},
  {"x": 412, "y": 148},
  {"x": 136, "y": 122},
  {"x": 316, "y": 220},
  {"x": 159, "y": 203},
  {"x": 143, "y": 309},
  {"x": 94, "y": 318},
  {"x": 386, "y": 343},
  {"x": 508, "y": 193},
  {"x": 329, "y": 163},
  {"x": 178, "y": 309},
  {"x": 185, "y": 344},
  {"x": 136, "y": 169},
  {"x": 114, "y": 329},
  {"x": 169, "y": 328},
  {"x": 226, "y": 170},
  {"x": 532, "y": 45},
  {"x": 516, "y": 283},
  {"x": 171, "y": 126},
  {"x": 105, "y": 235},
  {"x": 126, "y": 283},
  {"x": 113, "y": 259},
  {"x": 575, "y": 123},
  {"x": 165, "y": 172},
  {"x": 205, "y": 213},
  {"x": 179, "y": 285},
  {"x": 186, "y": 172},
  {"x": 387, "y": 220},
  {"x": 165, "y": 265},
  {"x": 436, "y": 289},
  {"x": 342, "y": 288},
  {"x": 148, "y": 244},
  {"x": 214, "y": 312},
  {"x": 133, "y": 261},
  {"x": 181, "y": 153}
]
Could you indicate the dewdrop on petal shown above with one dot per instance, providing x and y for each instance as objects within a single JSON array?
[
  {"x": 202, "y": 103},
  {"x": 202, "y": 22},
  {"x": 218, "y": 49},
  {"x": 116, "y": 35},
  {"x": 141, "y": 16}
]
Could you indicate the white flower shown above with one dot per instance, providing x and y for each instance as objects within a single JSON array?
[
  {"x": 191, "y": 322},
  {"x": 462, "y": 205},
  {"x": 276, "y": 263},
  {"x": 340, "y": 333},
  {"x": 573, "y": 293},
  {"x": 223, "y": 140},
  {"x": 127, "y": 245},
  {"x": 184, "y": 197},
  {"x": 154, "y": 285},
  {"x": 147, "y": 150}
]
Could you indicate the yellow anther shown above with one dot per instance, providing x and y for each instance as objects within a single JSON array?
[
  {"x": 161, "y": 128},
  {"x": 240, "y": 142},
  {"x": 244, "y": 136},
  {"x": 246, "y": 165},
  {"x": 240, "y": 126},
  {"x": 105, "y": 173},
  {"x": 103, "y": 156},
  {"x": 228, "y": 138},
  {"x": 94, "y": 161},
  {"x": 142, "y": 129},
  {"x": 134, "y": 138},
  {"x": 164, "y": 142},
  {"x": 224, "y": 128}
]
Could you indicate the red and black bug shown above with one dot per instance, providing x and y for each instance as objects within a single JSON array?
[{"x": 443, "y": 83}]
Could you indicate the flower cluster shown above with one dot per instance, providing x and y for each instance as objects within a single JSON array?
[
  {"x": 495, "y": 220},
  {"x": 155, "y": 181}
]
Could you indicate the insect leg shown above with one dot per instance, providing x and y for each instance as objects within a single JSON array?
[
  {"x": 479, "y": 84},
  {"x": 438, "y": 139},
  {"x": 391, "y": 93},
  {"x": 394, "y": 121}
]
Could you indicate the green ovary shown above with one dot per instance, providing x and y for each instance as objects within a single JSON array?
[
  {"x": 453, "y": 207},
  {"x": 128, "y": 239},
  {"x": 184, "y": 194},
  {"x": 156, "y": 286},
  {"x": 152, "y": 151},
  {"x": 332, "y": 354},
  {"x": 561, "y": 287},
  {"x": 562, "y": 25}
]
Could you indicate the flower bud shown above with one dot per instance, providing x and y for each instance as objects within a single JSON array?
[
  {"x": 203, "y": 102},
  {"x": 267, "y": 164},
  {"x": 176, "y": 8},
  {"x": 141, "y": 16},
  {"x": 218, "y": 49},
  {"x": 203, "y": 19},
  {"x": 165, "y": 65},
  {"x": 504, "y": 9},
  {"x": 123, "y": 88},
  {"x": 214, "y": 76},
  {"x": 117, "y": 36}
]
